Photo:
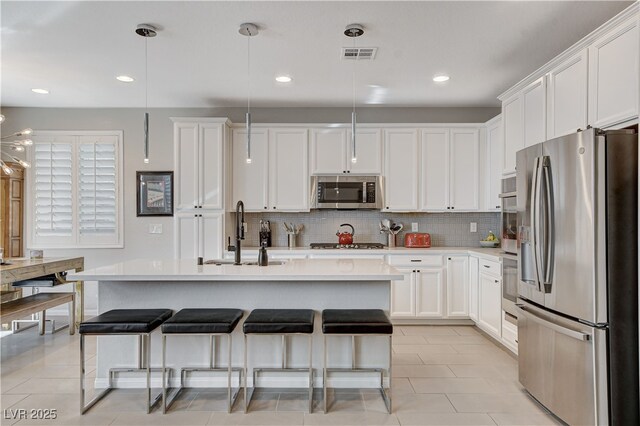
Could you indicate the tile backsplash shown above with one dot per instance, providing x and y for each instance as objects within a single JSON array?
[{"x": 320, "y": 226}]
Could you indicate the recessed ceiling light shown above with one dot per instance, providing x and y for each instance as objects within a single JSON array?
[
  {"x": 440, "y": 78},
  {"x": 124, "y": 78},
  {"x": 40, "y": 91},
  {"x": 283, "y": 79}
]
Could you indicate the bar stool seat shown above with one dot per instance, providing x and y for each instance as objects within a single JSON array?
[
  {"x": 282, "y": 322},
  {"x": 357, "y": 322},
  {"x": 122, "y": 322},
  {"x": 211, "y": 322},
  {"x": 279, "y": 321}
]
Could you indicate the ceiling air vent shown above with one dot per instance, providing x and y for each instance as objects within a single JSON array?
[{"x": 359, "y": 53}]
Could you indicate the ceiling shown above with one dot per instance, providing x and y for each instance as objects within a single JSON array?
[{"x": 76, "y": 49}]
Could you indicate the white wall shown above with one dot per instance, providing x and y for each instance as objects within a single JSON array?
[{"x": 138, "y": 243}]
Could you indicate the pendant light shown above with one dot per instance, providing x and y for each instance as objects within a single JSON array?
[
  {"x": 8, "y": 148},
  {"x": 353, "y": 31},
  {"x": 146, "y": 31},
  {"x": 248, "y": 30}
]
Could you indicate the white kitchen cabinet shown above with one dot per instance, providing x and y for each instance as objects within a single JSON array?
[
  {"x": 429, "y": 293},
  {"x": 328, "y": 151},
  {"x": 403, "y": 295},
  {"x": 450, "y": 169},
  {"x": 464, "y": 173},
  {"x": 473, "y": 287},
  {"x": 331, "y": 152},
  {"x": 512, "y": 132},
  {"x": 288, "y": 170},
  {"x": 490, "y": 304},
  {"x": 198, "y": 234},
  {"x": 495, "y": 153},
  {"x": 368, "y": 152},
  {"x": 199, "y": 164},
  {"x": 613, "y": 75},
  {"x": 457, "y": 286},
  {"x": 534, "y": 107},
  {"x": 277, "y": 178},
  {"x": 567, "y": 100},
  {"x": 401, "y": 170},
  {"x": 250, "y": 181},
  {"x": 435, "y": 170}
]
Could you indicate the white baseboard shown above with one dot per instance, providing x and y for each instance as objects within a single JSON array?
[{"x": 220, "y": 380}]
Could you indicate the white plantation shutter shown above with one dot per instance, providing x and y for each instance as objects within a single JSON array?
[
  {"x": 76, "y": 199},
  {"x": 97, "y": 210},
  {"x": 53, "y": 189}
]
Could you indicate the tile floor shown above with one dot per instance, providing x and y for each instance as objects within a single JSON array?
[{"x": 442, "y": 375}]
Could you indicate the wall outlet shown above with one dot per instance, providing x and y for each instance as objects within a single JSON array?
[
  {"x": 414, "y": 226},
  {"x": 473, "y": 227},
  {"x": 155, "y": 228}
]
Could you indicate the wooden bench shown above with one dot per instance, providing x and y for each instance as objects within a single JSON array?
[{"x": 38, "y": 303}]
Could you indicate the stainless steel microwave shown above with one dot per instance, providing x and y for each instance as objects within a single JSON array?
[{"x": 346, "y": 192}]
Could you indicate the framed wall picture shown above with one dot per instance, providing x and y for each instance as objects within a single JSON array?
[{"x": 154, "y": 194}]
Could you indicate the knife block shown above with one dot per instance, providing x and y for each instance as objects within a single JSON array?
[{"x": 265, "y": 236}]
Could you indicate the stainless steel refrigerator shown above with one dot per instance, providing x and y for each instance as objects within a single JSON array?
[{"x": 577, "y": 216}]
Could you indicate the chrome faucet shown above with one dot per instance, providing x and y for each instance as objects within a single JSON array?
[{"x": 239, "y": 231}]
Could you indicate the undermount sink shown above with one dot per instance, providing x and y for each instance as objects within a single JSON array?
[{"x": 219, "y": 262}]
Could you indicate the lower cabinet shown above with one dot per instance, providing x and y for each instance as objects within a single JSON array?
[
  {"x": 429, "y": 293},
  {"x": 458, "y": 286},
  {"x": 490, "y": 304},
  {"x": 403, "y": 295},
  {"x": 473, "y": 287},
  {"x": 198, "y": 235}
]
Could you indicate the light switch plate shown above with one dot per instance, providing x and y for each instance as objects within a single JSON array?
[
  {"x": 473, "y": 227},
  {"x": 155, "y": 228},
  {"x": 414, "y": 226}
]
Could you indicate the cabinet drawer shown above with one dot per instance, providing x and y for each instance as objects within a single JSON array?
[
  {"x": 490, "y": 267},
  {"x": 417, "y": 261}
]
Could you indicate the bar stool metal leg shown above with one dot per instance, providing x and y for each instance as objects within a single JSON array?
[
  {"x": 310, "y": 373},
  {"x": 84, "y": 408}
]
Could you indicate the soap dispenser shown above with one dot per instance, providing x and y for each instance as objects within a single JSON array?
[{"x": 263, "y": 257}]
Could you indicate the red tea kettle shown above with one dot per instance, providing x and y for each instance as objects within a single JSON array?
[{"x": 345, "y": 238}]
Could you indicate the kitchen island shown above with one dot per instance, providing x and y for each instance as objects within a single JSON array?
[{"x": 297, "y": 284}]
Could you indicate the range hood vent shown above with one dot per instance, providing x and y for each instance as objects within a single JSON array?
[{"x": 359, "y": 53}]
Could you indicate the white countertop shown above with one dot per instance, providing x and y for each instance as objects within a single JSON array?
[
  {"x": 490, "y": 253},
  {"x": 293, "y": 270}
]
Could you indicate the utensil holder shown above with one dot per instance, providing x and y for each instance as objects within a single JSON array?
[
  {"x": 291, "y": 238},
  {"x": 391, "y": 240}
]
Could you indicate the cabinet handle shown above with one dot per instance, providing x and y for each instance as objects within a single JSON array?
[
  {"x": 496, "y": 281},
  {"x": 387, "y": 207},
  {"x": 497, "y": 207},
  {"x": 452, "y": 208},
  {"x": 449, "y": 258},
  {"x": 486, "y": 266},
  {"x": 274, "y": 207},
  {"x": 344, "y": 171},
  {"x": 448, "y": 208},
  {"x": 195, "y": 215},
  {"x": 416, "y": 260},
  {"x": 265, "y": 207}
]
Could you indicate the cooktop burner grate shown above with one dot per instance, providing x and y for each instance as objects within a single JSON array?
[{"x": 360, "y": 246}]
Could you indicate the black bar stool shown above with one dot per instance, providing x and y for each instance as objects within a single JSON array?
[
  {"x": 280, "y": 322},
  {"x": 123, "y": 322},
  {"x": 202, "y": 322},
  {"x": 357, "y": 322}
]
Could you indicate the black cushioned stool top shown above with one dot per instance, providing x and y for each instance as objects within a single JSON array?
[
  {"x": 355, "y": 321},
  {"x": 203, "y": 321},
  {"x": 277, "y": 321},
  {"x": 125, "y": 321}
]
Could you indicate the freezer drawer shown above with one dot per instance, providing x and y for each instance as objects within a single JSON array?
[{"x": 556, "y": 359}]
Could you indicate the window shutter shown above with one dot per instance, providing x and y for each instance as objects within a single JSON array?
[
  {"x": 97, "y": 198},
  {"x": 53, "y": 189}
]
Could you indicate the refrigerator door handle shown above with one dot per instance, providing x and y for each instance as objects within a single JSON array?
[
  {"x": 549, "y": 231},
  {"x": 535, "y": 219},
  {"x": 555, "y": 327}
]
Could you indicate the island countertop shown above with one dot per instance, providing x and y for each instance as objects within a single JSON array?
[{"x": 293, "y": 270}]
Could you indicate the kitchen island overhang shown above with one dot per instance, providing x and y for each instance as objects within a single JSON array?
[{"x": 298, "y": 284}]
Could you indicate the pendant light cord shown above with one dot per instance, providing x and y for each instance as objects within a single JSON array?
[
  {"x": 249, "y": 72},
  {"x": 146, "y": 77},
  {"x": 353, "y": 82}
]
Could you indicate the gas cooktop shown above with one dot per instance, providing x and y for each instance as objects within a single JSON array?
[{"x": 361, "y": 246}]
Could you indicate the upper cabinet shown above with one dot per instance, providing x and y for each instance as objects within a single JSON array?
[
  {"x": 494, "y": 161},
  {"x": 199, "y": 164},
  {"x": 513, "y": 131},
  {"x": 613, "y": 75},
  {"x": 593, "y": 83},
  {"x": 401, "y": 169},
  {"x": 277, "y": 179},
  {"x": 567, "y": 101},
  {"x": 450, "y": 169},
  {"x": 534, "y": 99},
  {"x": 331, "y": 151}
]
